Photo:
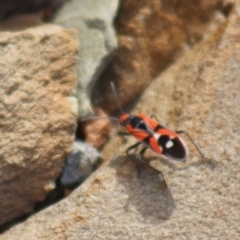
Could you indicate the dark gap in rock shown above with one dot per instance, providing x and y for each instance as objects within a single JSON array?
[
  {"x": 14, "y": 7},
  {"x": 79, "y": 131},
  {"x": 227, "y": 8},
  {"x": 53, "y": 197}
]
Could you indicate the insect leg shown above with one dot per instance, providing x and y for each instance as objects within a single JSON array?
[
  {"x": 133, "y": 158},
  {"x": 190, "y": 138},
  {"x": 154, "y": 116},
  {"x": 141, "y": 153},
  {"x": 122, "y": 135},
  {"x": 195, "y": 145},
  {"x": 139, "y": 158}
]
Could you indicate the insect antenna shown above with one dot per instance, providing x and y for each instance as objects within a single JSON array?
[
  {"x": 116, "y": 98},
  {"x": 109, "y": 118}
]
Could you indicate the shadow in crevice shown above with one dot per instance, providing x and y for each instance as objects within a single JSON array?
[{"x": 148, "y": 193}]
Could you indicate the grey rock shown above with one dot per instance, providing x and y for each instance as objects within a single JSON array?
[
  {"x": 94, "y": 21},
  {"x": 83, "y": 160}
]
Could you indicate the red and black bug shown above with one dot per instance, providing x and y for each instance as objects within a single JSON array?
[{"x": 151, "y": 134}]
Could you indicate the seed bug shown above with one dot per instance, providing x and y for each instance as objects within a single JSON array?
[{"x": 152, "y": 135}]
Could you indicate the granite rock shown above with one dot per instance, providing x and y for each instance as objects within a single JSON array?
[
  {"x": 37, "y": 112},
  {"x": 82, "y": 161},
  {"x": 199, "y": 94},
  {"x": 152, "y": 35}
]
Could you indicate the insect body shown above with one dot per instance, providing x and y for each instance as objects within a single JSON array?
[
  {"x": 151, "y": 134},
  {"x": 155, "y": 136}
]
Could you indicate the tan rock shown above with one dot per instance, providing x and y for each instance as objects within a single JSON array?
[
  {"x": 37, "y": 120},
  {"x": 199, "y": 94},
  {"x": 96, "y": 131},
  {"x": 152, "y": 35}
]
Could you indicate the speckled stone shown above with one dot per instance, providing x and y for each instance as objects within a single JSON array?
[{"x": 83, "y": 160}]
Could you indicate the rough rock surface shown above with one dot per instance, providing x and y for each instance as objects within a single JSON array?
[
  {"x": 152, "y": 34},
  {"x": 200, "y": 94},
  {"x": 37, "y": 113},
  {"x": 96, "y": 131},
  {"x": 94, "y": 21}
]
